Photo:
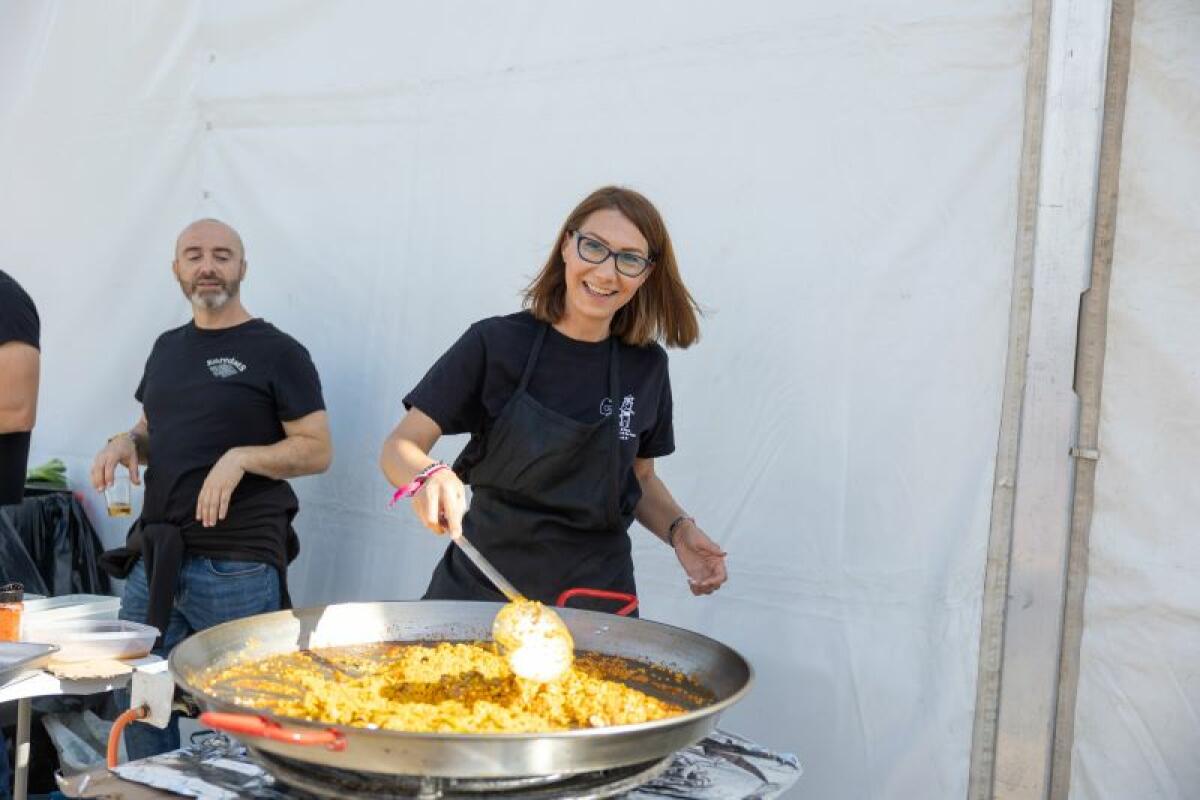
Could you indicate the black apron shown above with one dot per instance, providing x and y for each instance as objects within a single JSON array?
[{"x": 545, "y": 506}]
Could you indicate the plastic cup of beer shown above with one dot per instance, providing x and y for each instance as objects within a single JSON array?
[{"x": 117, "y": 495}]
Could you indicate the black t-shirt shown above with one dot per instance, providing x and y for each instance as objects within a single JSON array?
[
  {"x": 205, "y": 391},
  {"x": 468, "y": 387},
  {"x": 18, "y": 323}
]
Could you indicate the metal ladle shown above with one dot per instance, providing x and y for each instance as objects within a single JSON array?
[
  {"x": 536, "y": 642},
  {"x": 485, "y": 566}
]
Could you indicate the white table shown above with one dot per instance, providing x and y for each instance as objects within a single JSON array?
[{"x": 40, "y": 683}]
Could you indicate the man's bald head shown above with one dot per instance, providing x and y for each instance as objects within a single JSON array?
[
  {"x": 210, "y": 262},
  {"x": 208, "y": 230}
]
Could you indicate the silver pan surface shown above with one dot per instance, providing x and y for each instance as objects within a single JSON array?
[{"x": 720, "y": 670}]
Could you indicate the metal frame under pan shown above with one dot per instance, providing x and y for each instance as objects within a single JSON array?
[{"x": 719, "y": 669}]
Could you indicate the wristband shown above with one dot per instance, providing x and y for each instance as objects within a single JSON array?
[
  {"x": 119, "y": 435},
  {"x": 412, "y": 487},
  {"x": 682, "y": 518}
]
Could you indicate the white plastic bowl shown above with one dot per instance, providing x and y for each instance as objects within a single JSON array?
[
  {"x": 92, "y": 639},
  {"x": 65, "y": 607}
]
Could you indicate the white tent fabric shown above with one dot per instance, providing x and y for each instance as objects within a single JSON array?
[
  {"x": 841, "y": 184},
  {"x": 1138, "y": 708}
]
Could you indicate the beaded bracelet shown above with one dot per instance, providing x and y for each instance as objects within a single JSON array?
[
  {"x": 412, "y": 487},
  {"x": 682, "y": 518}
]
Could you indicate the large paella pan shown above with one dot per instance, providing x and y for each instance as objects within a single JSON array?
[{"x": 716, "y": 677}]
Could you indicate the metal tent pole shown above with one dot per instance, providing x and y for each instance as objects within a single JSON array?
[
  {"x": 1089, "y": 377},
  {"x": 1029, "y": 545}
]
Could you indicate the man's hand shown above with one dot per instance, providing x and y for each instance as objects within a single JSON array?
[
  {"x": 119, "y": 450},
  {"x": 702, "y": 559},
  {"x": 213, "y": 503}
]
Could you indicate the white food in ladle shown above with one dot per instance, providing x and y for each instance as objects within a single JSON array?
[{"x": 535, "y": 641}]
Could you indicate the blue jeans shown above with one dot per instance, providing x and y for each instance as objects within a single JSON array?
[{"x": 209, "y": 592}]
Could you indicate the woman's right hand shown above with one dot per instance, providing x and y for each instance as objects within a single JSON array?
[
  {"x": 441, "y": 503},
  {"x": 119, "y": 450}
]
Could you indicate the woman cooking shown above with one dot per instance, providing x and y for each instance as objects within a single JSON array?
[{"x": 568, "y": 403}]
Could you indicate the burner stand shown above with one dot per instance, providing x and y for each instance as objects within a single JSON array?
[{"x": 322, "y": 781}]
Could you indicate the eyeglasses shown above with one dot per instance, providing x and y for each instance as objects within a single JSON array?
[{"x": 594, "y": 251}]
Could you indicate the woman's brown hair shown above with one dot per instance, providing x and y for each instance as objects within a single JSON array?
[{"x": 661, "y": 310}]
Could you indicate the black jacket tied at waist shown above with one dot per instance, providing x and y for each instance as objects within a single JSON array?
[{"x": 258, "y": 527}]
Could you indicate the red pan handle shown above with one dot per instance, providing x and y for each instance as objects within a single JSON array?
[
  {"x": 253, "y": 725},
  {"x": 603, "y": 594}
]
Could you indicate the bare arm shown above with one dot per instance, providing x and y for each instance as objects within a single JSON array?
[
  {"x": 442, "y": 502},
  {"x": 702, "y": 559},
  {"x": 139, "y": 434},
  {"x": 20, "y": 364},
  {"x": 130, "y": 448},
  {"x": 406, "y": 449},
  {"x": 305, "y": 449},
  {"x": 657, "y": 509}
]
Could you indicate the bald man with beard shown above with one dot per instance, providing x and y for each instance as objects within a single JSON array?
[{"x": 232, "y": 408}]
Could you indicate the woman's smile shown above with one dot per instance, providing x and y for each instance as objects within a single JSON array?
[{"x": 594, "y": 291}]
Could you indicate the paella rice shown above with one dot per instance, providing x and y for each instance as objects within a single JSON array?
[{"x": 445, "y": 687}]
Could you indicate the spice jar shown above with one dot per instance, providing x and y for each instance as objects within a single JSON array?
[{"x": 11, "y": 597}]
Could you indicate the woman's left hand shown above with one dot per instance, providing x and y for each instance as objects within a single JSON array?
[{"x": 703, "y": 559}]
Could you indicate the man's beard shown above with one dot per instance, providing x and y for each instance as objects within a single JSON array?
[{"x": 212, "y": 298}]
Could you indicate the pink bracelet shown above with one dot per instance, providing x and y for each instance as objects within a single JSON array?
[{"x": 412, "y": 487}]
